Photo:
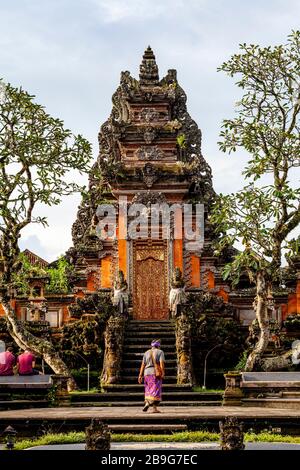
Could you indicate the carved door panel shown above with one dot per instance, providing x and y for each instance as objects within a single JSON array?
[{"x": 150, "y": 283}]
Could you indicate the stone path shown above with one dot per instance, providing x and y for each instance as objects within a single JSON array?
[
  {"x": 116, "y": 413},
  {"x": 151, "y": 446}
]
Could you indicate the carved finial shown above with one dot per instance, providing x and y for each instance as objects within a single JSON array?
[{"x": 148, "y": 69}]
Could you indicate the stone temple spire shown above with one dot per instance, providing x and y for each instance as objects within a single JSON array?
[{"x": 148, "y": 69}]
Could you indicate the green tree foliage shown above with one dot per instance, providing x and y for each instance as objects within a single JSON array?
[
  {"x": 59, "y": 277},
  {"x": 37, "y": 155},
  {"x": 264, "y": 213},
  {"x": 39, "y": 159}
]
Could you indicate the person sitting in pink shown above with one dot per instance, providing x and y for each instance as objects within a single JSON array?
[
  {"x": 7, "y": 362},
  {"x": 26, "y": 363}
]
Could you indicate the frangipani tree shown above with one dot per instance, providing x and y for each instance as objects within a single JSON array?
[
  {"x": 36, "y": 156},
  {"x": 264, "y": 214}
]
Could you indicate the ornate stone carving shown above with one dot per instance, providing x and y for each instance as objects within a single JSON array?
[
  {"x": 177, "y": 295},
  {"x": 120, "y": 297},
  {"x": 149, "y": 135},
  {"x": 152, "y": 152},
  {"x": 149, "y": 197},
  {"x": 183, "y": 349},
  {"x": 97, "y": 436},
  {"x": 149, "y": 175},
  {"x": 232, "y": 436},
  {"x": 148, "y": 69},
  {"x": 37, "y": 310},
  {"x": 114, "y": 339},
  {"x": 149, "y": 115}
]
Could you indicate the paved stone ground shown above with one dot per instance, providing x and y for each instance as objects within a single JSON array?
[
  {"x": 151, "y": 446},
  {"x": 115, "y": 413}
]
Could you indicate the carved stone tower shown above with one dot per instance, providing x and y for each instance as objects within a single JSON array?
[{"x": 150, "y": 153}]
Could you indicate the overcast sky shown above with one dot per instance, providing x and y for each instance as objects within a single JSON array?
[{"x": 69, "y": 53}]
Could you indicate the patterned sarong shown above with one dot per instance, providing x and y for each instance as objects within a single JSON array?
[{"x": 153, "y": 387}]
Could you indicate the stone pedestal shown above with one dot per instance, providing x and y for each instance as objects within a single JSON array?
[
  {"x": 233, "y": 394},
  {"x": 60, "y": 384},
  {"x": 231, "y": 434},
  {"x": 97, "y": 436}
]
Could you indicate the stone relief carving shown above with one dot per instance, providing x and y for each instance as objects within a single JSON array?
[
  {"x": 120, "y": 297},
  {"x": 97, "y": 436},
  {"x": 149, "y": 115},
  {"x": 149, "y": 175},
  {"x": 149, "y": 153},
  {"x": 149, "y": 134},
  {"x": 149, "y": 197},
  {"x": 177, "y": 295},
  {"x": 231, "y": 434},
  {"x": 148, "y": 69}
]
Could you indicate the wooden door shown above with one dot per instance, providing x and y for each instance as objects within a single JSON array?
[{"x": 150, "y": 296}]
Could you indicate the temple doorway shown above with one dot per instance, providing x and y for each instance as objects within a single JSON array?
[{"x": 150, "y": 280}]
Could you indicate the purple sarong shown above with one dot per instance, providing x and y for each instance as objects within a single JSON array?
[{"x": 153, "y": 387}]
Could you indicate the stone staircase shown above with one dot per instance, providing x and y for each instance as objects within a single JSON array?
[{"x": 138, "y": 337}]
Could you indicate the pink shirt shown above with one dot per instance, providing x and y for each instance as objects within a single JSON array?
[
  {"x": 7, "y": 361},
  {"x": 25, "y": 361}
]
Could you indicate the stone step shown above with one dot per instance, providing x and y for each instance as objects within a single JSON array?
[
  {"x": 115, "y": 397},
  {"x": 168, "y": 348},
  {"x": 154, "y": 333},
  {"x": 128, "y": 379},
  {"x": 147, "y": 428},
  {"x": 282, "y": 403},
  {"x": 291, "y": 394},
  {"x": 151, "y": 322},
  {"x": 139, "y": 355},
  {"x": 22, "y": 404},
  {"x": 128, "y": 388},
  {"x": 135, "y": 364},
  {"x": 148, "y": 334},
  {"x": 150, "y": 327},
  {"x": 146, "y": 342},
  {"x": 118, "y": 396},
  {"x": 140, "y": 403},
  {"x": 130, "y": 372}
]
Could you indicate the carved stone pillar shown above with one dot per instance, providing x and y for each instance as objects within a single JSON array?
[
  {"x": 232, "y": 436},
  {"x": 233, "y": 393},
  {"x": 114, "y": 339},
  {"x": 97, "y": 436},
  {"x": 183, "y": 348},
  {"x": 60, "y": 384}
]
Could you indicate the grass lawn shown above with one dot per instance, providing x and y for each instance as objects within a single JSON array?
[{"x": 195, "y": 436}]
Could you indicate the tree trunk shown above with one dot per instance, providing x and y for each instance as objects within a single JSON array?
[
  {"x": 26, "y": 340},
  {"x": 261, "y": 311}
]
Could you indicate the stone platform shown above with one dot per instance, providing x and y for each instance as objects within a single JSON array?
[
  {"x": 26, "y": 381},
  {"x": 122, "y": 419}
]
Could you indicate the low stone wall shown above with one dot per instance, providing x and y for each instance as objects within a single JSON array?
[
  {"x": 47, "y": 390},
  {"x": 266, "y": 389}
]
